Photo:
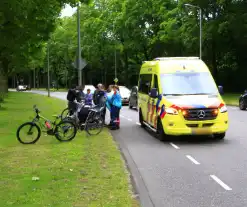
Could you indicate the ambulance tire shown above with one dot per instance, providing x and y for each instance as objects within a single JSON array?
[
  {"x": 160, "y": 132},
  {"x": 141, "y": 119}
]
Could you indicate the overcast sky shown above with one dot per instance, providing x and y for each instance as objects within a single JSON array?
[{"x": 68, "y": 11}]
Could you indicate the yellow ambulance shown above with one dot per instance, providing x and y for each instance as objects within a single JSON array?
[{"x": 178, "y": 96}]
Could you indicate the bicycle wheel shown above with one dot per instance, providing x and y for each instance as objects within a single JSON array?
[
  {"x": 65, "y": 128},
  {"x": 31, "y": 128},
  {"x": 94, "y": 124},
  {"x": 64, "y": 113}
]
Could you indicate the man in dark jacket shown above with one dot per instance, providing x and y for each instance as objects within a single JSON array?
[
  {"x": 71, "y": 96},
  {"x": 80, "y": 95},
  {"x": 99, "y": 98}
]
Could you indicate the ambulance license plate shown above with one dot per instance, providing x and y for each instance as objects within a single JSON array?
[{"x": 201, "y": 131}]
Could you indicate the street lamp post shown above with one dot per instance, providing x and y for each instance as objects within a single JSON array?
[
  {"x": 200, "y": 13},
  {"x": 115, "y": 62},
  {"x": 79, "y": 46},
  {"x": 48, "y": 69},
  {"x": 115, "y": 53}
]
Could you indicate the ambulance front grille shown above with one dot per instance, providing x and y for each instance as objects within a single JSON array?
[{"x": 200, "y": 114}]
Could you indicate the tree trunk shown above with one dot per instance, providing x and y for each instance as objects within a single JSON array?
[
  {"x": 3, "y": 86},
  {"x": 34, "y": 78},
  {"x": 214, "y": 51},
  {"x": 126, "y": 67},
  {"x": 3, "y": 79}
]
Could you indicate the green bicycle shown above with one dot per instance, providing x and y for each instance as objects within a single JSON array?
[{"x": 57, "y": 128}]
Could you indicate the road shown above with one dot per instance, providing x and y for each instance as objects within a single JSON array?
[{"x": 185, "y": 173}]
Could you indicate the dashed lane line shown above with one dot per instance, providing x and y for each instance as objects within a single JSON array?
[
  {"x": 175, "y": 146},
  {"x": 192, "y": 160},
  {"x": 220, "y": 182}
]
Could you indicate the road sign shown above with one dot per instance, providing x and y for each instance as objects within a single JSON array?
[
  {"x": 115, "y": 80},
  {"x": 83, "y": 64}
]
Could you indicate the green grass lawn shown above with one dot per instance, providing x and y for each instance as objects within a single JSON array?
[
  {"x": 87, "y": 171},
  {"x": 231, "y": 98},
  {"x": 51, "y": 89}
]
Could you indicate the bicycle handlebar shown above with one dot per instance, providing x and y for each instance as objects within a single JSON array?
[{"x": 36, "y": 109}]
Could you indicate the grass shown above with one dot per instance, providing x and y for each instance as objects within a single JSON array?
[
  {"x": 88, "y": 171},
  {"x": 231, "y": 99},
  {"x": 51, "y": 89}
]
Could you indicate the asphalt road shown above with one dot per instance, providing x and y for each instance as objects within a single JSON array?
[{"x": 187, "y": 172}]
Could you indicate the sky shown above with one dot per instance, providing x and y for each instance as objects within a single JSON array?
[{"x": 68, "y": 11}]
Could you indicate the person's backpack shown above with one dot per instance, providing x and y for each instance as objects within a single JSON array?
[
  {"x": 71, "y": 95},
  {"x": 80, "y": 96},
  {"x": 95, "y": 97}
]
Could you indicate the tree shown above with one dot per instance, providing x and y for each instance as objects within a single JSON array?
[
  {"x": 142, "y": 30},
  {"x": 25, "y": 25}
]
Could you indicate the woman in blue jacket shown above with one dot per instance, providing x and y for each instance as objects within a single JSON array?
[{"x": 116, "y": 105}]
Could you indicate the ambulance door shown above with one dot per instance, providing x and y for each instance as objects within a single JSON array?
[
  {"x": 153, "y": 102},
  {"x": 143, "y": 95}
]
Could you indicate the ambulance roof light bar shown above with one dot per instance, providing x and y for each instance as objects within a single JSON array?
[{"x": 177, "y": 58}]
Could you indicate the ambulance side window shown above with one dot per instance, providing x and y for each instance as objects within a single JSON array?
[
  {"x": 145, "y": 83},
  {"x": 155, "y": 84}
]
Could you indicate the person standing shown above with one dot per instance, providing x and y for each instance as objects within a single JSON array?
[
  {"x": 115, "y": 108},
  {"x": 80, "y": 95},
  {"x": 71, "y": 96},
  {"x": 88, "y": 98},
  {"x": 109, "y": 103},
  {"x": 99, "y": 98}
]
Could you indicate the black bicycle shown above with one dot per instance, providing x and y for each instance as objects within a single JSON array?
[
  {"x": 94, "y": 123},
  {"x": 65, "y": 113},
  {"x": 59, "y": 129}
]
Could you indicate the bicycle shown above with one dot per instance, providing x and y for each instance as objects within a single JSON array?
[
  {"x": 65, "y": 113},
  {"x": 69, "y": 112},
  {"x": 94, "y": 119},
  {"x": 51, "y": 128}
]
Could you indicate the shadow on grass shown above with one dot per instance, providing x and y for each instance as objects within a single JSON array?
[{"x": 2, "y": 108}]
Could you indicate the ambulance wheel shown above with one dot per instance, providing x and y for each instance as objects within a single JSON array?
[
  {"x": 160, "y": 132},
  {"x": 141, "y": 119}
]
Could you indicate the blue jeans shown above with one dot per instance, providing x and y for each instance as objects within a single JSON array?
[{"x": 115, "y": 111}]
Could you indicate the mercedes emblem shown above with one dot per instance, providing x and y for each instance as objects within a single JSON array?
[{"x": 201, "y": 114}]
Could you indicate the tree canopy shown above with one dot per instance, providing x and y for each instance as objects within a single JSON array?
[{"x": 135, "y": 30}]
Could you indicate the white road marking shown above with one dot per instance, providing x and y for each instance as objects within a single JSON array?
[
  {"x": 129, "y": 119},
  {"x": 122, "y": 116},
  {"x": 223, "y": 185},
  {"x": 175, "y": 146},
  {"x": 138, "y": 123},
  {"x": 192, "y": 160}
]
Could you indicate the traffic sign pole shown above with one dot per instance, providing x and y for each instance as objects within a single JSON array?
[{"x": 79, "y": 45}]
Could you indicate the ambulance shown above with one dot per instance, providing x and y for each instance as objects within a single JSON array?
[{"x": 178, "y": 96}]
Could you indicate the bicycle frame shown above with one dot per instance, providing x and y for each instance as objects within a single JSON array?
[{"x": 42, "y": 125}]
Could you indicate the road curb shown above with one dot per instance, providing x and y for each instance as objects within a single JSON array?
[{"x": 137, "y": 182}]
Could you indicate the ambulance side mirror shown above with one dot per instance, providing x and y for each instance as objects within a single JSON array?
[
  {"x": 153, "y": 93},
  {"x": 221, "y": 90}
]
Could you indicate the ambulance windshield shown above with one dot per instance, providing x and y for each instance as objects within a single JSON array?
[{"x": 188, "y": 84}]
